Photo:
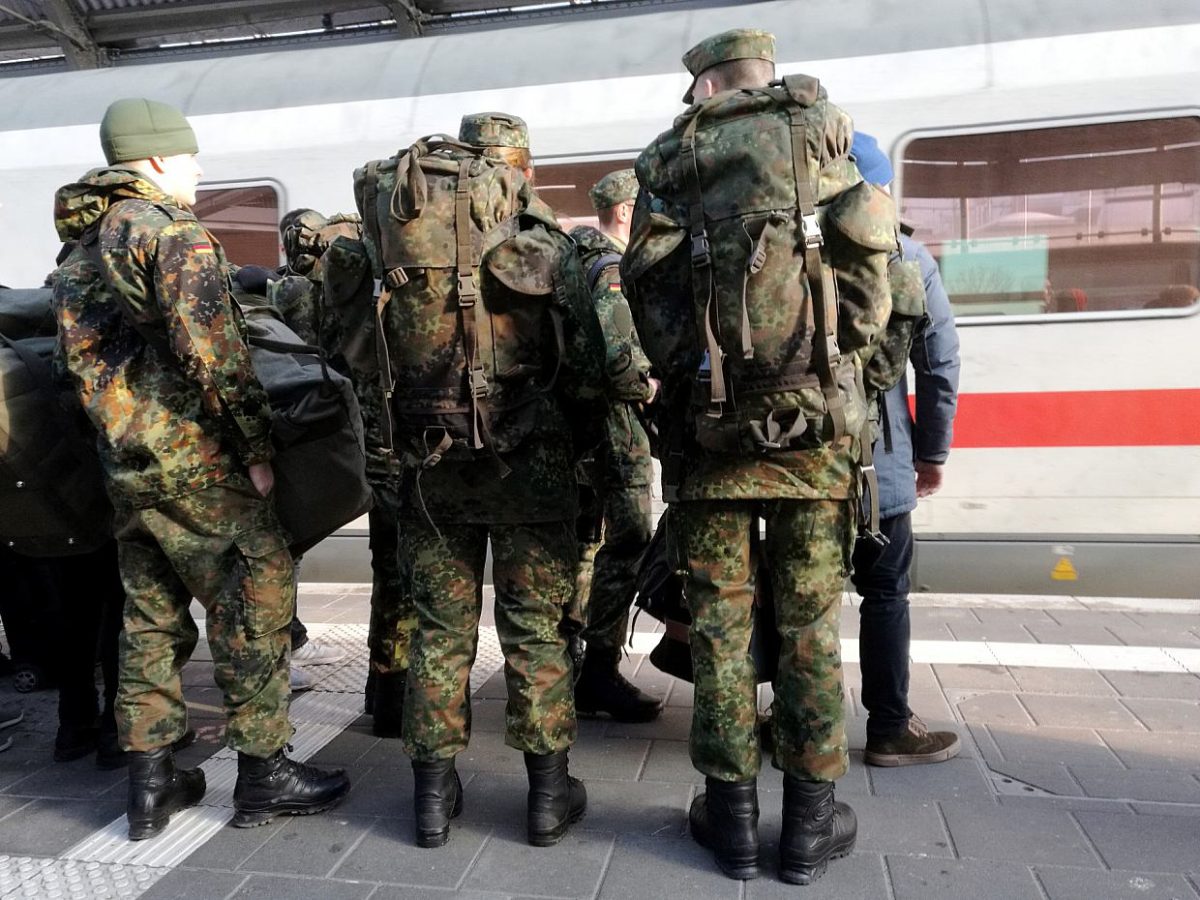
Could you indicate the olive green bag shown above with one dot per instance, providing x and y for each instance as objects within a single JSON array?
[
  {"x": 466, "y": 261},
  {"x": 780, "y": 249}
]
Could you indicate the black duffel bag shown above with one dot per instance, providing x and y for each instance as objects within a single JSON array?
[
  {"x": 52, "y": 497},
  {"x": 660, "y": 583},
  {"x": 316, "y": 427}
]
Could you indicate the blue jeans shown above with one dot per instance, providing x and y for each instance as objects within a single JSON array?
[{"x": 881, "y": 576}]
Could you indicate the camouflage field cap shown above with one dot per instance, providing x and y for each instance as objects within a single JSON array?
[
  {"x": 494, "y": 129},
  {"x": 136, "y": 128},
  {"x": 615, "y": 187},
  {"x": 740, "y": 43}
]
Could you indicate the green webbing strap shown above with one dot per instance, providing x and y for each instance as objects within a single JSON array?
[
  {"x": 370, "y": 210},
  {"x": 824, "y": 332},
  {"x": 702, "y": 268},
  {"x": 387, "y": 383},
  {"x": 467, "y": 297}
]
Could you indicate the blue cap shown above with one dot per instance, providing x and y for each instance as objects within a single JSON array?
[{"x": 872, "y": 162}]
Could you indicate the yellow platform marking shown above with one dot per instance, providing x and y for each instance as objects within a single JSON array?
[{"x": 1064, "y": 571}]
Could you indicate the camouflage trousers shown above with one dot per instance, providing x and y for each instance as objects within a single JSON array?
[
  {"x": 608, "y": 570},
  {"x": 532, "y": 568},
  {"x": 807, "y": 549},
  {"x": 393, "y": 617},
  {"x": 223, "y": 546}
]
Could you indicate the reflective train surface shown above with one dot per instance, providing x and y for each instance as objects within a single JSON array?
[{"x": 1051, "y": 164}]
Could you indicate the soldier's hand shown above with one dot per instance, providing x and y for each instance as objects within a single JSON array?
[
  {"x": 929, "y": 478},
  {"x": 655, "y": 387},
  {"x": 263, "y": 478}
]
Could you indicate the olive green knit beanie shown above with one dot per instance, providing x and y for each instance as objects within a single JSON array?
[{"x": 136, "y": 128}]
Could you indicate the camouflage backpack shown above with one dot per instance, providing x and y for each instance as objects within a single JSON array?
[
  {"x": 752, "y": 201},
  {"x": 467, "y": 261},
  {"x": 308, "y": 236}
]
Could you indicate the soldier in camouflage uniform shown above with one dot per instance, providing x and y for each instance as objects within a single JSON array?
[
  {"x": 157, "y": 355},
  {"x": 452, "y": 511},
  {"x": 805, "y": 497},
  {"x": 348, "y": 317},
  {"x": 620, "y": 474}
]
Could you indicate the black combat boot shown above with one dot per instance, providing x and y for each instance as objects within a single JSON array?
[
  {"x": 556, "y": 800},
  {"x": 437, "y": 798},
  {"x": 275, "y": 785},
  {"x": 816, "y": 829},
  {"x": 725, "y": 820},
  {"x": 388, "y": 710},
  {"x": 157, "y": 789},
  {"x": 109, "y": 754},
  {"x": 601, "y": 688}
]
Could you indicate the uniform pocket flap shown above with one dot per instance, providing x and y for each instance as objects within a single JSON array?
[
  {"x": 867, "y": 215},
  {"x": 908, "y": 288}
]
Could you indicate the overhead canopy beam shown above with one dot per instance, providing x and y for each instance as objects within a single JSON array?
[
  {"x": 71, "y": 32},
  {"x": 410, "y": 20}
]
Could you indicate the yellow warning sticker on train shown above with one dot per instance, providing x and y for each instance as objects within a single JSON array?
[{"x": 1064, "y": 571}]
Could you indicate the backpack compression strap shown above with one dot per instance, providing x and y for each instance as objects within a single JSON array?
[
  {"x": 467, "y": 297},
  {"x": 803, "y": 91},
  {"x": 702, "y": 263},
  {"x": 702, "y": 267}
]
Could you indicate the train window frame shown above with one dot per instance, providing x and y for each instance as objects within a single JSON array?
[
  {"x": 274, "y": 184},
  {"x": 611, "y": 160},
  {"x": 1130, "y": 116}
]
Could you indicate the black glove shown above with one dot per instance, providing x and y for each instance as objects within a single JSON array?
[{"x": 253, "y": 279}]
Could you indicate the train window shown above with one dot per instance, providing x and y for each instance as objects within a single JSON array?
[
  {"x": 1071, "y": 219},
  {"x": 565, "y": 187},
  {"x": 245, "y": 219}
]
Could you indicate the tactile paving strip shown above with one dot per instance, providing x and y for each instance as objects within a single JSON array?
[
  {"x": 350, "y": 674},
  {"x": 66, "y": 879}
]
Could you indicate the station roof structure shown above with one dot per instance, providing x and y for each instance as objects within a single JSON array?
[{"x": 41, "y": 35}]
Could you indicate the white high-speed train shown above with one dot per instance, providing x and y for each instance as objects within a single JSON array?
[{"x": 1047, "y": 151}]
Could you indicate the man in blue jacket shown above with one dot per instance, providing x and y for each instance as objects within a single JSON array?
[{"x": 909, "y": 457}]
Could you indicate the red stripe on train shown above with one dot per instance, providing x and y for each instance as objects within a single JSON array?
[{"x": 1146, "y": 418}]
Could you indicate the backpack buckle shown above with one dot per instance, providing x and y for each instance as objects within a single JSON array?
[
  {"x": 810, "y": 230},
  {"x": 466, "y": 290},
  {"x": 396, "y": 278},
  {"x": 701, "y": 250},
  {"x": 479, "y": 385}
]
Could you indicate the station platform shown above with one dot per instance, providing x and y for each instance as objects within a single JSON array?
[{"x": 1079, "y": 779}]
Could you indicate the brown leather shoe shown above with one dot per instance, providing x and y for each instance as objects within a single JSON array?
[{"x": 914, "y": 746}]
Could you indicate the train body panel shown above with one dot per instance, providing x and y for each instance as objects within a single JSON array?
[{"x": 1073, "y": 429}]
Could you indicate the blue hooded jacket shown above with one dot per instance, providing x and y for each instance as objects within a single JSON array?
[{"x": 935, "y": 365}]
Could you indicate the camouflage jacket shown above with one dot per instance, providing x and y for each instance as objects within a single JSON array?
[
  {"x": 167, "y": 427},
  {"x": 626, "y": 457},
  {"x": 298, "y": 300},
  {"x": 347, "y": 335}
]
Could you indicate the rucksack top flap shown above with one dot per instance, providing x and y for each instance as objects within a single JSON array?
[
  {"x": 867, "y": 215},
  {"x": 658, "y": 237},
  {"x": 527, "y": 262}
]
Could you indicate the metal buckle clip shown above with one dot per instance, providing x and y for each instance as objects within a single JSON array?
[{"x": 810, "y": 229}]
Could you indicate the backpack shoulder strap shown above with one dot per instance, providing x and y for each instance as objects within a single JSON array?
[{"x": 597, "y": 269}]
